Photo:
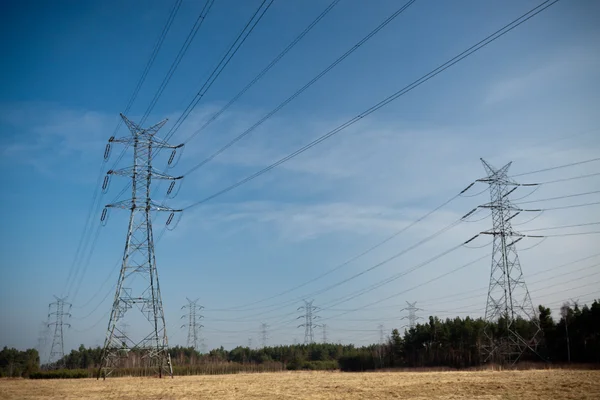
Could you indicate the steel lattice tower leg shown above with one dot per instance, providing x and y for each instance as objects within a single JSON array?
[
  {"x": 138, "y": 288},
  {"x": 193, "y": 337},
  {"x": 57, "y": 351},
  {"x": 508, "y": 299}
]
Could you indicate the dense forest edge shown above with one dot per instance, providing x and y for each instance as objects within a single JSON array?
[{"x": 451, "y": 343}]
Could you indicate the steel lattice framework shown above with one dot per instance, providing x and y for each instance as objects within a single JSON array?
[
  {"x": 193, "y": 338},
  {"x": 264, "y": 336},
  {"x": 138, "y": 287},
  {"x": 508, "y": 299},
  {"x": 412, "y": 314},
  {"x": 309, "y": 325},
  {"x": 57, "y": 314}
]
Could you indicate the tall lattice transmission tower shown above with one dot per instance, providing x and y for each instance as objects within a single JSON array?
[
  {"x": 381, "y": 334},
  {"x": 264, "y": 334},
  {"x": 412, "y": 314},
  {"x": 42, "y": 342},
  {"x": 58, "y": 311},
  {"x": 138, "y": 288},
  {"x": 508, "y": 299},
  {"x": 309, "y": 317},
  {"x": 192, "y": 315}
]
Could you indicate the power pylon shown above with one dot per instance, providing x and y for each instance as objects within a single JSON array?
[
  {"x": 193, "y": 338},
  {"x": 381, "y": 334},
  {"x": 508, "y": 299},
  {"x": 412, "y": 314},
  {"x": 309, "y": 325},
  {"x": 324, "y": 328},
  {"x": 263, "y": 334},
  {"x": 42, "y": 342},
  {"x": 138, "y": 286},
  {"x": 57, "y": 312}
]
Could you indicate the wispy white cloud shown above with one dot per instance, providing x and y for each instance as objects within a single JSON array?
[{"x": 533, "y": 80}]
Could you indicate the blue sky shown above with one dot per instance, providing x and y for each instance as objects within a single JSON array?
[{"x": 530, "y": 97}]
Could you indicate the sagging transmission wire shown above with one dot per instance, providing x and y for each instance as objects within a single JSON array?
[
  {"x": 483, "y": 290},
  {"x": 560, "y": 266},
  {"x": 218, "y": 69},
  {"x": 557, "y": 167},
  {"x": 243, "y": 35},
  {"x": 420, "y": 265},
  {"x": 285, "y": 304},
  {"x": 354, "y": 258},
  {"x": 279, "y": 306},
  {"x": 235, "y": 98},
  {"x": 417, "y": 266},
  {"x": 303, "y": 88},
  {"x": 479, "y": 289},
  {"x": 472, "y": 262},
  {"x": 479, "y": 45},
  {"x": 214, "y": 75},
  {"x": 181, "y": 53}
]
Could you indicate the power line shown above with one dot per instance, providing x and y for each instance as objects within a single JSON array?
[
  {"x": 484, "y": 288},
  {"x": 303, "y": 88},
  {"x": 365, "y": 252},
  {"x": 569, "y": 179},
  {"x": 557, "y": 167},
  {"x": 573, "y": 234},
  {"x": 571, "y": 206},
  {"x": 186, "y": 44},
  {"x": 265, "y": 70},
  {"x": 377, "y": 265},
  {"x": 155, "y": 51},
  {"x": 379, "y": 244},
  {"x": 235, "y": 46},
  {"x": 489, "y": 39},
  {"x": 459, "y": 308},
  {"x": 558, "y": 198},
  {"x": 560, "y": 227}
]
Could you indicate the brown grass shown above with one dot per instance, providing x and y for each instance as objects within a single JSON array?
[{"x": 529, "y": 385}]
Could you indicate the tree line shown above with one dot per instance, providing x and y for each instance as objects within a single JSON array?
[{"x": 453, "y": 343}]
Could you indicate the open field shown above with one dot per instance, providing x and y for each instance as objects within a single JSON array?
[{"x": 540, "y": 384}]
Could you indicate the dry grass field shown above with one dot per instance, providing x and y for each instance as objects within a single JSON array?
[{"x": 540, "y": 384}]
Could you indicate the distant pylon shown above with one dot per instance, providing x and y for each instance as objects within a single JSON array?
[
  {"x": 412, "y": 314},
  {"x": 309, "y": 325},
  {"x": 57, "y": 312},
  {"x": 381, "y": 334},
  {"x": 138, "y": 286},
  {"x": 508, "y": 298},
  {"x": 42, "y": 342},
  {"x": 324, "y": 328},
  {"x": 192, "y": 315},
  {"x": 263, "y": 334}
]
